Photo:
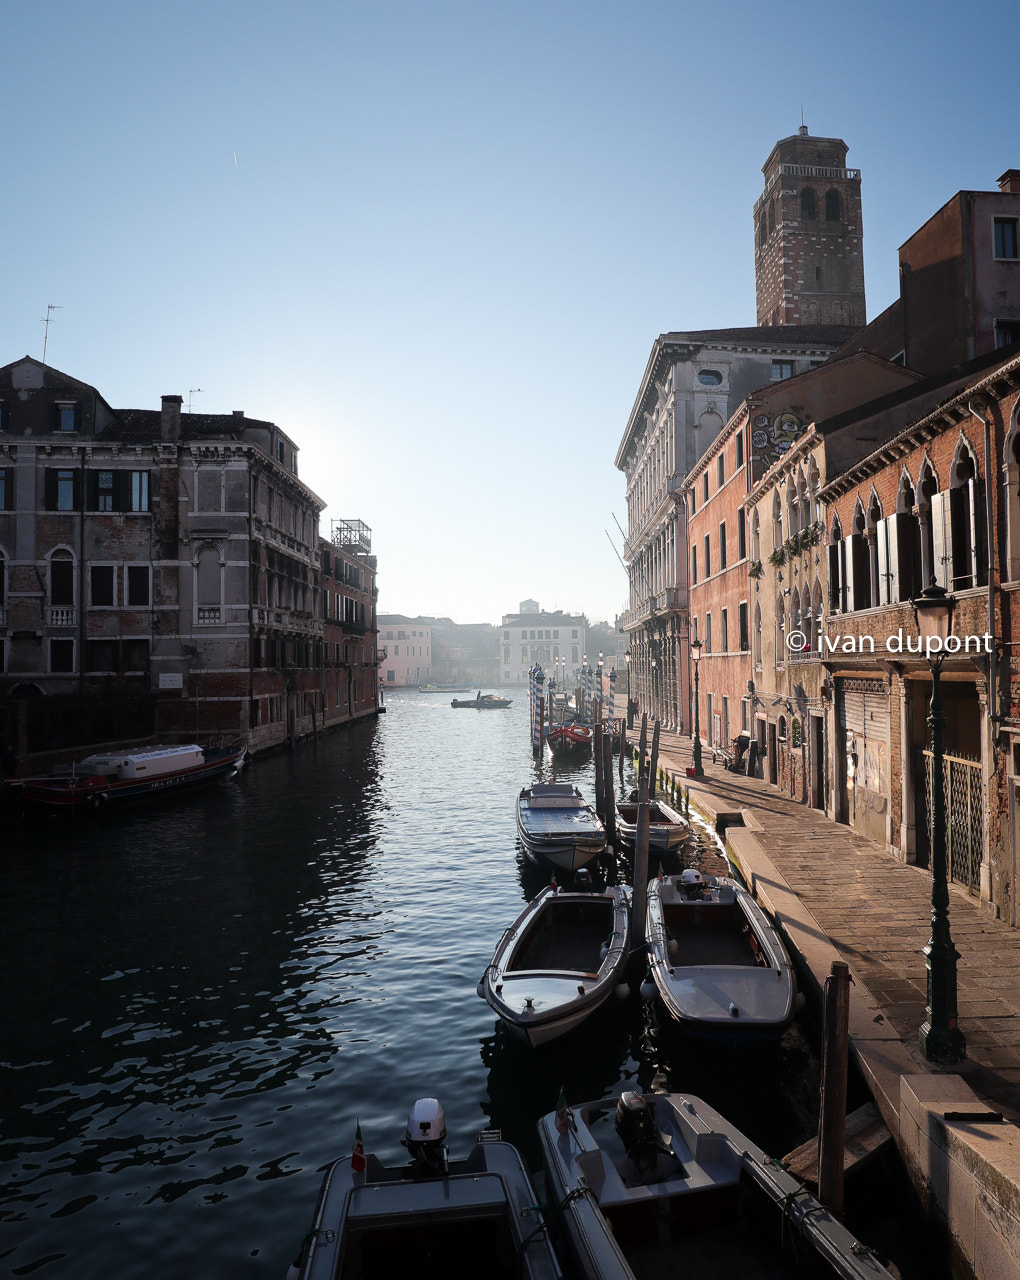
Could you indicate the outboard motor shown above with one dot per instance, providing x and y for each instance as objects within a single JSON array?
[
  {"x": 582, "y": 880},
  {"x": 691, "y": 883},
  {"x": 639, "y": 1133},
  {"x": 426, "y": 1129}
]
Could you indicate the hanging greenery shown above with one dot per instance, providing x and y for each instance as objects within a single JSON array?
[
  {"x": 778, "y": 557},
  {"x": 755, "y": 570}
]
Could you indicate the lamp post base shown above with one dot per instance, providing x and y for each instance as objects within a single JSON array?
[
  {"x": 943, "y": 1045},
  {"x": 940, "y": 1038}
]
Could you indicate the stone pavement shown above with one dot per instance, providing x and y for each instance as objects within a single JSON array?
[{"x": 876, "y": 912}]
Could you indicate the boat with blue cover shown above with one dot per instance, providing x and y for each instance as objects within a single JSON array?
[{"x": 557, "y": 827}]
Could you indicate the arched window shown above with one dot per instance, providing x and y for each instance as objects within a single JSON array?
[
  {"x": 780, "y": 630},
  {"x": 1011, "y": 461},
  {"x": 757, "y": 635},
  {"x": 62, "y": 584},
  {"x": 875, "y": 529},
  {"x": 814, "y": 484},
  {"x": 927, "y": 489},
  {"x": 772, "y": 216},
  {"x": 836, "y": 560},
  {"x": 966, "y": 524},
  {"x": 807, "y": 204},
  {"x": 755, "y": 536},
  {"x": 762, "y": 231},
  {"x": 795, "y": 610},
  {"x": 777, "y": 521},
  {"x": 832, "y": 206}
]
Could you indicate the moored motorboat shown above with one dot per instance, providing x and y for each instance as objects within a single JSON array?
[
  {"x": 719, "y": 965},
  {"x": 570, "y": 740},
  {"x": 482, "y": 702},
  {"x": 667, "y": 829},
  {"x": 558, "y": 962},
  {"x": 662, "y": 1184},
  {"x": 113, "y": 780},
  {"x": 434, "y": 1216},
  {"x": 558, "y": 827}
]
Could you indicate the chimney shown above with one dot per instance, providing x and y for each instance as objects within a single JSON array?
[
  {"x": 170, "y": 419},
  {"x": 238, "y": 413},
  {"x": 1010, "y": 181}
]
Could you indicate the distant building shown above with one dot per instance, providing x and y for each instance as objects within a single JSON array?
[
  {"x": 350, "y": 678},
  {"x": 556, "y": 641},
  {"x": 407, "y": 661}
]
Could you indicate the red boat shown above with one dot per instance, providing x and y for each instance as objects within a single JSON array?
[
  {"x": 570, "y": 740},
  {"x": 104, "y": 782}
]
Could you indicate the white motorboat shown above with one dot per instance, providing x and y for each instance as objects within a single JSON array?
[
  {"x": 668, "y": 831},
  {"x": 558, "y": 962},
  {"x": 661, "y": 1184},
  {"x": 558, "y": 827},
  {"x": 432, "y": 1217},
  {"x": 719, "y": 965}
]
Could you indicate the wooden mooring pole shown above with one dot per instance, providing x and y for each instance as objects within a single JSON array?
[
  {"x": 832, "y": 1119},
  {"x": 639, "y": 897},
  {"x": 600, "y": 798},
  {"x": 623, "y": 749},
  {"x": 608, "y": 798},
  {"x": 642, "y": 746},
  {"x": 654, "y": 765}
]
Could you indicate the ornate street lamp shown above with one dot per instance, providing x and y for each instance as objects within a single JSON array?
[
  {"x": 652, "y": 676},
  {"x": 699, "y": 772},
  {"x": 941, "y": 1040},
  {"x": 630, "y": 701}
]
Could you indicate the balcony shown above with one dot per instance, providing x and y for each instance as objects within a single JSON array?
[
  {"x": 208, "y": 615},
  {"x": 61, "y": 616},
  {"x": 355, "y": 535}
]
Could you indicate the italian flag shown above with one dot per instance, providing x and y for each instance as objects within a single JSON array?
[
  {"x": 562, "y": 1113},
  {"x": 358, "y": 1154}
]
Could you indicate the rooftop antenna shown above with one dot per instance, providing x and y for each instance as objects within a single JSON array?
[
  {"x": 193, "y": 391},
  {"x": 50, "y": 307}
]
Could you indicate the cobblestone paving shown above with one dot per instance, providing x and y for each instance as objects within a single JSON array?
[{"x": 876, "y": 911}]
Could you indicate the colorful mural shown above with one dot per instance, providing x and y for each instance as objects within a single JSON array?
[{"x": 772, "y": 437}]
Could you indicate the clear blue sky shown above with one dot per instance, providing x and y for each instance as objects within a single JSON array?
[{"x": 435, "y": 241}]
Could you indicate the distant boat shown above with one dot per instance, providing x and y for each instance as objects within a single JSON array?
[
  {"x": 663, "y": 1185},
  {"x": 444, "y": 688},
  {"x": 114, "y": 780},
  {"x": 432, "y": 1217},
  {"x": 719, "y": 965},
  {"x": 483, "y": 702},
  {"x": 558, "y": 827},
  {"x": 558, "y": 962}
]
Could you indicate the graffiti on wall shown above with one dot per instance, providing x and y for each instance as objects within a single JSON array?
[{"x": 772, "y": 437}]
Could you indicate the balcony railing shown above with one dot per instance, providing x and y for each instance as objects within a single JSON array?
[
  {"x": 62, "y": 617},
  {"x": 208, "y": 615},
  {"x": 354, "y": 534}
]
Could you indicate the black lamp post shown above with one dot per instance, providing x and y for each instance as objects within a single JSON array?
[
  {"x": 699, "y": 772},
  {"x": 941, "y": 1040},
  {"x": 630, "y": 700}
]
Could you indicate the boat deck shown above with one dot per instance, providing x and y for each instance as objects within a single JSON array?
[
  {"x": 708, "y": 934},
  {"x": 566, "y": 935}
]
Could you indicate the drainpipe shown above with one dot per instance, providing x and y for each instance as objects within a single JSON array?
[{"x": 993, "y": 706}]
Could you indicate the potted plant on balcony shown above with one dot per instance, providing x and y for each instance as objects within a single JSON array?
[
  {"x": 755, "y": 570},
  {"x": 778, "y": 557}
]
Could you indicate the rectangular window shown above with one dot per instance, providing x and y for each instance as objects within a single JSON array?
[
  {"x": 101, "y": 586},
  {"x": 722, "y": 545},
  {"x": 62, "y": 656},
  {"x": 6, "y": 488},
  {"x": 66, "y": 417},
  {"x": 721, "y": 465},
  {"x": 104, "y": 490},
  {"x": 1006, "y": 238},
  {"x": 139, "y": 491},
  {"x": 741, "y": 534},
  {"x": 100, "y": 655},
  {"x": 1007, "y": 333},
  {"x": 742, "y": 627},
  {"x": 738, "y": 447},
  {"x": 704, "y": 487},
  {"x": 137, "y": 594},
  {"x": 708, "y": 558},
  {"x": 708, "y": 633},
  {"x": 724, "y": 631},
  {"x": 694, "y": 564},
  {"x": 62, "y": 490},
  {"x": 781, "y": 370},
  {"x": 136, "y": 655}
]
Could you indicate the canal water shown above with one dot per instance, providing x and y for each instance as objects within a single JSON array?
[{"x": 201, "y": 1002}]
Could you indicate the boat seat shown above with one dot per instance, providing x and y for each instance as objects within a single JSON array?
[
  {"x": 552, "y": 802},
  {"x": 480, "y": 1196}
]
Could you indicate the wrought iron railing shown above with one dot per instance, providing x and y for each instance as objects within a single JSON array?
[{"x": 964, "y": 816}]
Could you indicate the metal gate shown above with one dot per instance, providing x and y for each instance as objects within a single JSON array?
[{"x": 964, "y": 817}]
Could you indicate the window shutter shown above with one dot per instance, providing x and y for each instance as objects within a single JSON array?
[
  {"x": 979, "y": 550},
  {"x": 942, "y": 540},
  {"x": 835, "y": 577},
  {"x": 849, "y": 578},
  {"x": 884, "y": 533}
]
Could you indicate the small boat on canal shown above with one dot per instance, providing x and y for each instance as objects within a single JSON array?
[
  {"x": 432, "y": 1217},
  {"x": 662, "y": 1185},
  {"x": 107, "y": 782},
  {"x": 668, "y": 831},
  {"x": 719, "y": 965},
  {"x": 557, "y": 827},
  {"x": 482, "y": 702},
  {"x": 570, "y": 741},
  {"x": 558, "y": 962}
]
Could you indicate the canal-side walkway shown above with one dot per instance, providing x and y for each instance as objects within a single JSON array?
[{"x": 839, "y": 896}]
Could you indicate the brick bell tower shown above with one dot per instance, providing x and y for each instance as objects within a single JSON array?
[{"x": 808, "y": 236}]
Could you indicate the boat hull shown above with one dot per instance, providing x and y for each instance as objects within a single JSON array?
[
  {"x": 365, "y": 1222},
  {"x": 73, "y": 794},
  {"x": 719, "y": 965},
  {"x": 706, "y": 1197},
  {"x": 558, "y": 962},
  {"x": 667, "y": 830},
  {"x": 558, "y": 828}
]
